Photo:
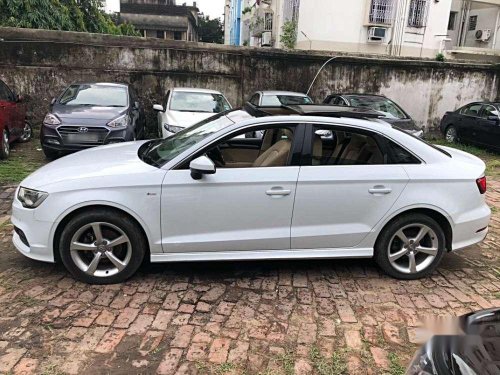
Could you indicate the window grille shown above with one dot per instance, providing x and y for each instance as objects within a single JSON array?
[
  {"x": 472, "y": 23},
  {"x": 268, "y": 22},
  {"x": 381, "y": 11},
  {"x": 418, "y": 13}
]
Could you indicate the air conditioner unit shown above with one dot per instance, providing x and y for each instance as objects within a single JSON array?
[
  {"x": 483, "y": 35},
  {"x": 377, "y": 34},
  {"x": 266, "y": 39}
]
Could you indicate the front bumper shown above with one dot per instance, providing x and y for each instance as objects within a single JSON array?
[
  {"x": 66, "y": 138},
  {"x": 37, "y": 234}
]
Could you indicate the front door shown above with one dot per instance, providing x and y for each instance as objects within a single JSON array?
[
  {"x": 245, "y": 206},
  {"x": 343, "y": 195},
  {"x": 469, "y": 123},
  {"x": 488, "y": 127},
  {"x": 9, "y": 111}
]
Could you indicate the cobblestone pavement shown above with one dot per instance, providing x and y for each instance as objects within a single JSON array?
[{"x": 284, "y": 317}]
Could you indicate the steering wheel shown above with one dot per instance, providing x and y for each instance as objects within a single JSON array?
[{"x": 216, "y": 155}]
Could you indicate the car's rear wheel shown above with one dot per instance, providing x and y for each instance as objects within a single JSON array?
[
  {"x": 410, "y": 247},
  {"x": 4, "y": 144},
  {"x": 451, "y": 134},
  {"x": 27, "y": 132},
  {"x": 102, "y": 247}
]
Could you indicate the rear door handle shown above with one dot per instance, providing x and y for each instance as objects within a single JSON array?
[
  {"x": 275, "y": 192},
  {"x": 379, "y": 189}
]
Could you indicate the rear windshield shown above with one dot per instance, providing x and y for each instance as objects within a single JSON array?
[
  {"x": 95, "y": 95},
  {"x": 183, "y": 101},
  {"x": 279, "y": 100}
]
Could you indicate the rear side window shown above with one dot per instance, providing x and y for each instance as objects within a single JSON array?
[{"x": 399, "y": 155}]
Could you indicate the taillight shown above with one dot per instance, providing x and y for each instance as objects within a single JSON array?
[{"x": 481, "y": 184}]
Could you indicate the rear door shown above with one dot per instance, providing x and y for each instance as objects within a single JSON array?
[
  {"x": 488, "y": 126},
  {"x": 339, "y": 200},
  {"x": 11, "y": 115}
]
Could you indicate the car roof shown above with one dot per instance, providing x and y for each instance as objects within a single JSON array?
[
  {"x": 193, "y": 89},
  {"x": 289, "y": 93},
  {"x": 112, "y": 84},
  {"x": 362, "y": 95}
]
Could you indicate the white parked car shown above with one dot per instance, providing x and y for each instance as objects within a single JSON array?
[
  {"x": 369, "y": 190},
  {"x": 185, "y": 107},
  {"x": 278, "y": 98}
]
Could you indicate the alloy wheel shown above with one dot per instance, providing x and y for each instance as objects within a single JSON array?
[
  {"x": 413, "y": 248},
  {"x": 451, "y": 134},
  {"x": 27, "y": 132},
  {"x": 100, "y": 249}
]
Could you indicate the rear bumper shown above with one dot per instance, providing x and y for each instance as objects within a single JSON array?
[{"x": 472, "y": 229}]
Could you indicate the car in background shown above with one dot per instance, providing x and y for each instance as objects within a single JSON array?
[
  {"x": 185, "y": 107},
  {"x": 13, "y": 123},
  {"x": 393, "y": 113},
  {"x": 206, "y": 194},
  {"x": 278, "y": 98},
  {"x": 477, "y": 123},
  {"x": 91, "y": 114}
]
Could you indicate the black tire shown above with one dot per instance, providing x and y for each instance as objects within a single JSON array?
[
  {"x": 50, "y": 154},
  {"x": 4, "y": 145},
  {"x": 389, "y": 232},
  {"x": 27, "y": 132},
  {"x": 451, "y": 134},
  {"x": 128, "y": 226}
]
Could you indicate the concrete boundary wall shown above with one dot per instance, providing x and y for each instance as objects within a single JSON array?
[{"x": 40, "y": 63}]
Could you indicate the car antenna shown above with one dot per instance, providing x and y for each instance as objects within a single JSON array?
[{"x": 319, "y": 71}]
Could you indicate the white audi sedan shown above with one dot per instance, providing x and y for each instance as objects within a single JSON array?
[{"x": 319, "y": 184}]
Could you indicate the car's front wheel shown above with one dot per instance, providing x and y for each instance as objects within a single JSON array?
[
  {"x": 27, "y": 132},
  {"x": 4, "y": 144},
  {"x": 451, "y": 134},
  {"x": 410, "y": 247},
  {"x": 102, "y": 247}
]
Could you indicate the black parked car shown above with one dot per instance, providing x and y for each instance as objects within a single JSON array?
[
  {"x": 393, "y": 113},
  {"x": 92, "y": 114},
  {"x": 477, "y": 123}
]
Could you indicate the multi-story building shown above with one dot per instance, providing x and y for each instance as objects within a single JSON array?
[{"x": 161, "y": 19}]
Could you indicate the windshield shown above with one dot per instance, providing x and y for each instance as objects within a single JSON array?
[
  {"x": 161, "y": 151},
  {"x": 198, "y": 102},
  {"x": 93, "y": 95},
  {"x": 279, "y": 100},
  {"x": 384, "y": 105}
]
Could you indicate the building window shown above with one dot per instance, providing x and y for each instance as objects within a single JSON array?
[
  {"x": 418, "y": 13},
  {"x": 268, "y": 22},
  {"x": 452, "y": 21},
  {"x": 472, "y": 23},
  {"x": 160, "y": 34},
  {"x": 177, "y": 35},
  {"x": 381, "y": 11}
]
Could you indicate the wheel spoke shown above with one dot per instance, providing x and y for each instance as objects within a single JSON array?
[
  {"x": 427, "y": 250},
  {"x": 396, "y": 256},
  {"x": 79, "y": 246},
  {"x": 403, "y": 237},
  {"x": 421, "y": 234},
  {"x": 93, "y": 265},
  {"x": 96, "y": 227},
  {"x": 118, "y": 241},
  {"x": 413, "y": 263},
  {"x": 117, "y": 262}
]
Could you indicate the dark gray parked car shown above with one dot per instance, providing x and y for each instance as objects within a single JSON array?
[
  {"x": 91, "y": 114},
  {"x": 393, "y": 113}
]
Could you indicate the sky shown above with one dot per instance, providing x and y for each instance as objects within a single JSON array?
[{"x": 213, "y": 8}]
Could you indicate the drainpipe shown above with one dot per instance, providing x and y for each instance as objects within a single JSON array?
[{"x": 493, "y": 45}]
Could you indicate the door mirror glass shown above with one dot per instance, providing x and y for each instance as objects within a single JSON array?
[
  {"x": 200, "y": 166},
  {"x": 158, "y": 107}
]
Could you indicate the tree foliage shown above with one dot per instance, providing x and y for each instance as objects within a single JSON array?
[
  {"x": 289, "y": 34},
  {"x": 68, "y": 15},
  {"x": 210, "y": 30}
]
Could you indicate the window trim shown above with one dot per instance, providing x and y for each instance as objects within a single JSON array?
[
  {"x": 295, "y": 159},
  {"x": 466, "y": 108},
  {"x": 380, "y": 139}
]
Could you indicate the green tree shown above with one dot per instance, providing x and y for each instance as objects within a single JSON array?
[
  {"x": 69, "y": 15},
  {"x": 210, "y": 30},
  {"x": 289, "y": 34}
]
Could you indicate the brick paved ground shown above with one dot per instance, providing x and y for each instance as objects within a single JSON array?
[{"x": 237, "y": 318}]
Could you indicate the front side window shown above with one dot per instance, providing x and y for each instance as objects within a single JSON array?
[
  {"x": 381, "y": 104},
  {"x": 5, "y": 93},
  {"x": 279, "y": 100},
  {"x": 490, "y": 111},
  {"x": 184, "y": 101},
  {"x": 95, "y": 95},
  {"x": 472, "y": 110},
  {"x": 255, "y": 99}
]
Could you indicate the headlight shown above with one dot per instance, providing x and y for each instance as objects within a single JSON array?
[
  {"x": 119, "y": 122},
  {"x": 173, "y": 129},
  {"x": 51, "y": 120},
  {"x": 31, "y": 198}
]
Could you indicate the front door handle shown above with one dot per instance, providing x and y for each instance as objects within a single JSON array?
[
  {"x": 276, "y": 192},
  {"x": 379, "y": 190}
]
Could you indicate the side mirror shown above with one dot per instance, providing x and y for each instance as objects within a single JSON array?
[
  {"x": 494, "y": 118},
  {"x": 200, "y": 166},
  {"x": 19, "y": 98},
  {"x": 158, "y": 107}
]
